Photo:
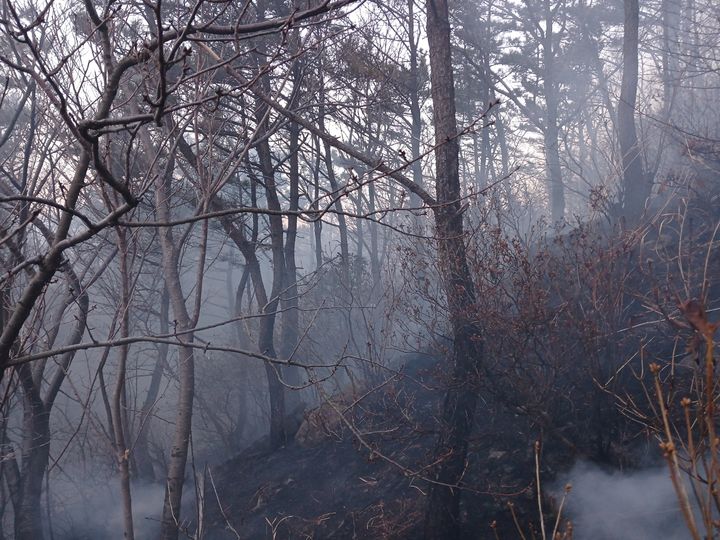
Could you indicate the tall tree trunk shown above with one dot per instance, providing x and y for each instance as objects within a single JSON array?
[
  {"x": 342, "y": 224},
  {"x": 267, "y": 324},
  {"x": 415, "y": 114},
  {"x": 317, "y": 224},
  {"x": 266, "y": 342},
  {"x": 186, "y": 364},
  {"x": 268, "y": 306},
  {"x": 35, "y": 450},
  {"x": 484, "y": 149},
  {"x": 485, "y": 157},
  {"x": 670, "y": 22},
  {"x": 291, "y": 316},
  {"x": 551, "y": 133},
  {"x": 276, "y": 389},
  {"x": 442, "y": 517},
  {"x": 118, "y": 403},
  {"x": 374, "y": 255},
  {"x": 636, "y": 185},
  {"x": 554, "y": 169},
  {"x": 141, "y": 451},
  {"x": 359, "y": 237},
  {"x": 691, "y": 53},
  {"x": 504, "y": 155},
  {"x": 34, "y": 459}
]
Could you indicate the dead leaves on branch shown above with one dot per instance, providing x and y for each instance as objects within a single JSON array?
[{"x": 696, "y": 315}]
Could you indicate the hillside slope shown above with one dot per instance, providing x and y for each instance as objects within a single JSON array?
[{"x": 331, "y": 485}]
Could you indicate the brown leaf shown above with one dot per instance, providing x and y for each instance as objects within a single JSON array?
[{"x": 695, "y": 314}]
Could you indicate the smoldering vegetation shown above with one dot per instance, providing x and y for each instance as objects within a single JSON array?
[
  {"x": 641, "y": 504},
  {"x": 359, "y": 269}
]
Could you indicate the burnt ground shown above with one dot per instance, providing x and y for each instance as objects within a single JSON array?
[{"x": 337, "y": 487}]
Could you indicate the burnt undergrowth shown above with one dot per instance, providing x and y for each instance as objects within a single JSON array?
[
  {"x": 366, "y": 476},
  {"x": 572, "y": 322}
]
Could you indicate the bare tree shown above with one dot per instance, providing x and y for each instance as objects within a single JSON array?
[
  {"x": 443, "y": 511},
  {"x": 636, "y": 185}
]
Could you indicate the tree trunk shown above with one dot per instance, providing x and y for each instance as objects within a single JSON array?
[
  {"x": 415, "y": 113},
  {"x": 359, "y": 238},
  {"x": 342, "y": 225},
  {"x": 141, "y": 451},
  {"x": 267, "y": 324},
  {"x": 636, "y": 186},
  {"x": 35, "y": 454},
  {"x": 36, "y": 413},
  {"x": 266, "y": 343},
  {"x": 554, "y": 169},
  {"x": 670, "y": 22},
  {"x": 186, "y": 366},
  {"x": 374, "y": 255},
  {"x": 118, "y": 404},
  {"x": 291, "y": 316},
  {"x": 317, "y": 224},
  {"x": 268, "y": 306},
  {"x": 551, "y": 133},
  {"x": 504, "y": 156},
  {"x": 442, "y": 518}
]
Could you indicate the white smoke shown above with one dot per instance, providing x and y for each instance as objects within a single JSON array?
[
  {"x": 640, "y": 505},
  {"x": 92, "y": 508}
]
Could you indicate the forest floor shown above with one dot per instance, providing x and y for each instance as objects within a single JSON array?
[{"x": 339, "y": 487}]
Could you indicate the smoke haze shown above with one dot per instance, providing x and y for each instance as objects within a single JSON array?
[{"x": 634, "y": 506}]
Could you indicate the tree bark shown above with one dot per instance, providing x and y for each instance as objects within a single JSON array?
[
  {"x": 551, "y": 133},
  {"x": 186, "y": 365},
  {"x": 36, "y": 417},
  {"x": 374, "y": 245},
  {"x": 317, "y": 224},
  {"x": 34, "y": 460},
  {"x": 291, "y": 316},
  {"x": 442, "y": 517},
  {"x": 636, "y": 185},
  {"x": 267, "y": 323},
  {"x": 415, "y": 114},
  {"x": 141, "y": 451},
  {"x": 342, "y": 224},
  {"x": 118, "y": 403}
]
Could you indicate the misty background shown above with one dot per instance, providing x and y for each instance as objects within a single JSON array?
[{"x": 358, "y": 268}]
